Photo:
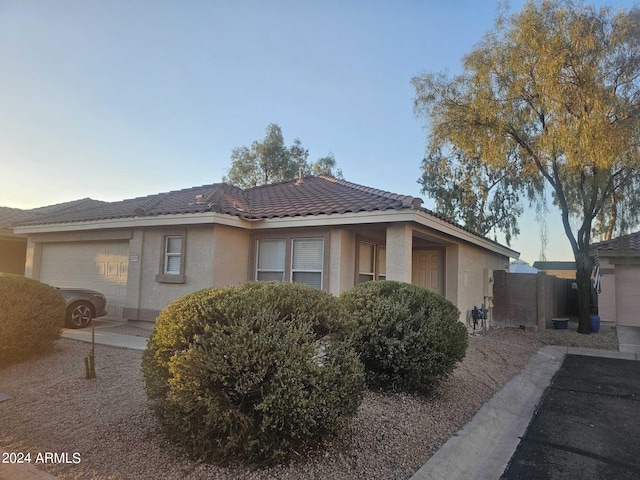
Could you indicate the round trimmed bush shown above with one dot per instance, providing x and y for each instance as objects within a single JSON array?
[
  {"x": 253, "y": 373},
  {"x": 408, "y": 337},
  {"x": 31, "y": 316}
]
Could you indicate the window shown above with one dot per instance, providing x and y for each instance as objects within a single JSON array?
[
  {"x": 366, "y": 268},
  {"x": 372, "y": 262},
  {"x": 271, "y": 260},
  {"x": 172, "y": 259},
  {"x": 382, "y": 263},
  {"x": 173, "y": 255},
  {"x": 299, "y": 260},
  {"x": 307, "y": 259}
]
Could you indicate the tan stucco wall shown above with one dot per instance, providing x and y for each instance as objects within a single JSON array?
[
  {"x": 12, "y": 255},
  {"x": 214, "y": 257},
  {"x": 230, "y": 256},
  {"x": 399, "y": 252},
  {"x": 342, "y": 261},
  {"x": 219, "y": 256},
  {"x": 472, "y": 261},
  {"x": 607, "y": 300}
]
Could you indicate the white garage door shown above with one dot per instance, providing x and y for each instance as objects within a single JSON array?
[
  {"x": 628, "y": 295},
  {"x": 100, "y": 266}
]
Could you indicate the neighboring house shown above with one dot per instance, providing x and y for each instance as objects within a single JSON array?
[
  {"x": 559, "y": 269},
  {"x": 520, "y": 266},
  {"x": 144, "y": 253},
  {"x": 13, "y": 248},
  {"x": 619, "y": 300}
]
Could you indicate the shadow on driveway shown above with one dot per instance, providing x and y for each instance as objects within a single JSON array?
[{"x": 587, "y": 426}]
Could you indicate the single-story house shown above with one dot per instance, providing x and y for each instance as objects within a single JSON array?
[
  {"x": 558, "y": 269},
  {"x": 619, "y": 300},
  {"x": 144, "y": 253}
]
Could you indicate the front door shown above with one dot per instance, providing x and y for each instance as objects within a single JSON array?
[{"x": 428, "y": 270}]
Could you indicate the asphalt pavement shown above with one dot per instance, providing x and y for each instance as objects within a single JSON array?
[
  {"x": 587, "y": 425},
  {"x": 546, "y": 424}
]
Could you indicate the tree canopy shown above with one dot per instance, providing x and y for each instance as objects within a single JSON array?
[
  {"x": 483, "y": 198},
  {"x": 271, "y": 161},
  {"x": 551, "y": 95}
]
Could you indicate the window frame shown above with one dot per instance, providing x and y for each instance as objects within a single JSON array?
[
  {"x": 377, "y": 246},
  {"x": 163, "y": 275},
  {"x": 293, "y": 270},
  {"x": 258, "y": 270},
  {"x": 288, "y": 237}
]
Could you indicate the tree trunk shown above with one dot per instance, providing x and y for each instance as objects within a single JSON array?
[
  {"x": 583, "y": 280},
  {"x": 612, "y": 219}
]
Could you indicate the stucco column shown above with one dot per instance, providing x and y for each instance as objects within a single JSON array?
[
  {"x": 32, "y": 260},
  {"x": 131, "y": 309},
  {"x": 342, "y": 251},
  {"x": 399, "y": 252}
]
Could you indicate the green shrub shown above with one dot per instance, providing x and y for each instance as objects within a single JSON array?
[
  {"x": 408, "y": 337},
  {"x": 31, "y": 316},
  {"x": 253, "y": 373}
]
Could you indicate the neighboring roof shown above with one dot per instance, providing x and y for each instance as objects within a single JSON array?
[
  {"x": 555, "y": 265},
  {"x": 520, "y": 266},
  {"x": 10, "y": 216},
  {"x": 625, "y": 243},
  {"x": 310, "y": 195},
  {"x": 14, "y": 216}
]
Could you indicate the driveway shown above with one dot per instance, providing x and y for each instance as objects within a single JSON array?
[{"x": 586, "y": 425}]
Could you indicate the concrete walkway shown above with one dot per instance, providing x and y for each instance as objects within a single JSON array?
[
  {"x": 484, "y": 446},
  {"x": 628, "y": 339},
  {"x": 107, "y": 338}
]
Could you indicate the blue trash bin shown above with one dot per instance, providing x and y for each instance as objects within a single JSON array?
[
  {"x": 560, "y": 323},
  {"x": 595, "y": 323}
]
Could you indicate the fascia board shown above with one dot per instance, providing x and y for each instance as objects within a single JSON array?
[
  {"x": 386, "y": 216},
  {"x": 330, "y": 220},
  {"x": 334, "y": 219},
  {"x": 445, "y": 227},
  {"x": 132, "y": 222}
]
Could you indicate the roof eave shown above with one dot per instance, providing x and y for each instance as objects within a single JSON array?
[
  {"x": 320, "y": 220},
  {"x": 203, "y": 218}
]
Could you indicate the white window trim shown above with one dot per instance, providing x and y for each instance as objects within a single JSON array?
[
  {"x": 270, "y": 270},
  {"x": 300, "y": 270},
  {"x": 288, "y": 270},
  {"x": 169, "y": 255},
  {"x": 164, "y": 275},
  {"x": 376, "y": 260}
]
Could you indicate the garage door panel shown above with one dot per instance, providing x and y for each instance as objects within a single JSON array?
[{"x": 100, "y": 266}]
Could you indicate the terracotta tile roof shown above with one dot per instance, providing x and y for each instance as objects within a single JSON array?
[
  {"x": 191, "y": 200},
  {"x": 630, "y": 243},
  {"x": 321, "y": 195},
  {"x": 312, "y": 196}
]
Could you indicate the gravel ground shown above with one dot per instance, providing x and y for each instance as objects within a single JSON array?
[{"x": 107, "y": 420}]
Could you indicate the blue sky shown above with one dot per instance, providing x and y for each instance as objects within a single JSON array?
[{"x": 117, "y": 99}]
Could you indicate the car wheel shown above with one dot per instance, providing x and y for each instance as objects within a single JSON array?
[{"x": 79, "y": 314}]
